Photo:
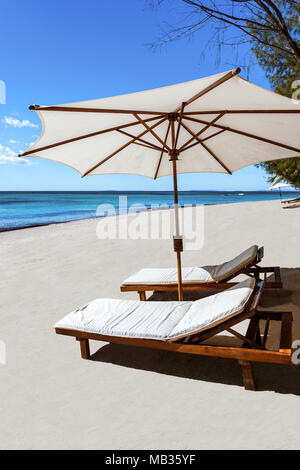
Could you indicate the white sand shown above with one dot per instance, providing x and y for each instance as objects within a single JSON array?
[{"x": 130, "y": 398}]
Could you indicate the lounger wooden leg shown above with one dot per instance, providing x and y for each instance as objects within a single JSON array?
[
  {"x": 248, "y": 377},
  {"x": 84, "y": 348},
  {"x": 258, "y": 336},
  {"x": 142, "y": 296}
]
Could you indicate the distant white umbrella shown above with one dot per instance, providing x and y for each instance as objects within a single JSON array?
[
  {"x": 279, "y": 186},
  {"x": 217, "y": 124}
]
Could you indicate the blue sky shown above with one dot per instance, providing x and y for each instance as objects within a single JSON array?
[{"x": 64, "y": 51}]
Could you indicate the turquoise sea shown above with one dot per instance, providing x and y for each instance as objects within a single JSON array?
[{"x": 27, "y": 209}]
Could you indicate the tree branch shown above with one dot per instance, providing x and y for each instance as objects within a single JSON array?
[
  {"x": 287, "y": 51},
  {"x": 280, "y": 24},
  {"x": 225, "y": 15},
  {"x": 261, "y": 20}
]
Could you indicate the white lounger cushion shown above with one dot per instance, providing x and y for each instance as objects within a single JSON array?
[
  {"x": 214, "y": 273},
  {"x": 128, "y": 318},
  {"x": 165, "y": 321}
]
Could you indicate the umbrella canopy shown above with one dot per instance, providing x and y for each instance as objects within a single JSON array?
[
  {"x": 237, "y": 122},
  {"x": 217, "y": 124}
]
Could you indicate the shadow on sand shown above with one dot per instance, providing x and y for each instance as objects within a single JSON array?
[{"x": 269, "y": 377}]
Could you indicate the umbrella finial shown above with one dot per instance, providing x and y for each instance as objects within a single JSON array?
[
  {"x": 173, "y": 154},
  {"x": 173, "y": 116}
]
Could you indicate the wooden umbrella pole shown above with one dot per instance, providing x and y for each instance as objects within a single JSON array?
[{"x": 178, "y": 245}]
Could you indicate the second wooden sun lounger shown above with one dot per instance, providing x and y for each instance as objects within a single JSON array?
[
  {"x": 214, "y": 277},
  {"x": 182, "y": 327}
]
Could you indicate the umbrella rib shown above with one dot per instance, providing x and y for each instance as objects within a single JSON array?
[
  {"x": 75, "y": 109},
  {"x": 246, "y": 111},
  {"x": 215, "y": 84},
  {"x": 216, "y": 158},
  {"x": 207, "y": 149},
  {"x": 149, "y": 129},
  {"x": 179, "y": 125},
  {"x": 204, "y": 140},
  {"x": 145, "y": 143},
  {"x": 246, "y": 134},
  {"x": 86, "y": 136},
  {"x": 123, "y": 147},
  {"x": 202, "y": 130},
  {"x": 162, "y": 152}
]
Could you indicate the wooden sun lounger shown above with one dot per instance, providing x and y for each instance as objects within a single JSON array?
[
  {"x": 253, "y": 348},
  {"x": 252, "y": 270}
]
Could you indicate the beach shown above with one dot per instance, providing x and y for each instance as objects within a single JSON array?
[{"x": 131, "y": 398}]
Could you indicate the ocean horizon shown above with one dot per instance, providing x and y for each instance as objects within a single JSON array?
[{"x": 22, "y": 209}]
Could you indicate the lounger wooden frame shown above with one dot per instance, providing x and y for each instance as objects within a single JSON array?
[
  {"x": 291, "y": 203},
  {"x": 253, "y": 348},
  {"x": 251, "y": 270}
]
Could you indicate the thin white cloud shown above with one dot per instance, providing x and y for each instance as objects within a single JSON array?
[
  {"x": 10, "y": 121},
  {"x": 13, "y": 142},
  {"x": 4, "y": 160},
  {"x": 9, "y": 157}
]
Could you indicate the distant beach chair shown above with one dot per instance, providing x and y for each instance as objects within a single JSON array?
[
  {"x": 289, "y": 203},
  {"x": 205, "y": 277},
  {"x": 182, "y": 327}
]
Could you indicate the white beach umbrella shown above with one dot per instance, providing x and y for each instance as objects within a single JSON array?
[{"x": 217, "y": 124}]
